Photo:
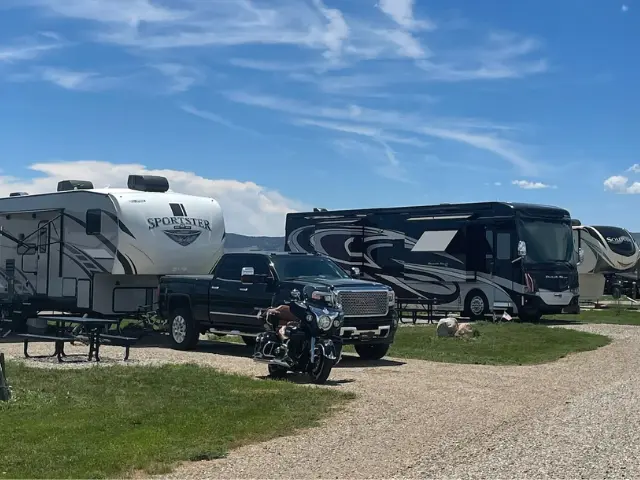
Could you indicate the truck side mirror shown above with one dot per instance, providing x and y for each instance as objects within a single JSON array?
[
  {"x": 247, "y": 275},
  {"x": 522, "y": 248}
]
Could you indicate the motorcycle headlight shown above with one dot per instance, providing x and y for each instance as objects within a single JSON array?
[
  {"x": 324, "y": 322},
  {"x": 337, "y": 322},
  {"x": 391, "y": 297}
]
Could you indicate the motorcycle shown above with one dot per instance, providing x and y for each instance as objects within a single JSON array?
[{"x": 312, "y": 347}]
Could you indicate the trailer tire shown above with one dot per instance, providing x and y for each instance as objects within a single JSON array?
[
  {"x": 476, "y": 305},
  {"x": 183, "y": 329}
]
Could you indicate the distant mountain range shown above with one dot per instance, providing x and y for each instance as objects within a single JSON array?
[{"x": 235, "y": 242}]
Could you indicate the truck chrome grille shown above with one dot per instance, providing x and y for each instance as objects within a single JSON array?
[{"x": 366, "y": 303}]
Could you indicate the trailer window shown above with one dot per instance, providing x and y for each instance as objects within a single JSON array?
[
  {"x": 25, "y": 248},
  {"x": 94, "y": 222}
]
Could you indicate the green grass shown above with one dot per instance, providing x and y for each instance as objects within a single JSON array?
[
  {"x": 605, "y": 315},
  {"x": 497, "y": 344},
  {"x": 106, "y": 422}
]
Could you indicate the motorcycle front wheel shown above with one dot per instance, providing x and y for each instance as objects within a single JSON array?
[{"x": 321, "y": 369}]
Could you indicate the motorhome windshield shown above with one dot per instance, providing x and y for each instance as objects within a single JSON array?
[
  {"x": 547, "y": 241},
  {"x": 296, "y": 266}
]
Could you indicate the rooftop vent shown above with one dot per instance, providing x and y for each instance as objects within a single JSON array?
[
  {"x": 575, "y": 222},
  {"x": 18, "y": 194},
  {"x": 65, "y": 185},
  {"x": 148, "y": 183},
  {"x": 319, "y": 209}
]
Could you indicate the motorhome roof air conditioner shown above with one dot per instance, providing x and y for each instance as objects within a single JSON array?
[
  {"x": 66, "y": 185},
  {"x": 18, "y": 194},
  {"x": 148, "y": 183},
  {"x": 575, "y": 222}
]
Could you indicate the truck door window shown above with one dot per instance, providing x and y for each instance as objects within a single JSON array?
[
  {"x": 259, "y": 264},
  {"x": 229, "y": 268}
]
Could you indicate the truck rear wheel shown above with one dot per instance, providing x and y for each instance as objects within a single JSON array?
[
  {"x": 372, "y": 352},
  {"x": 183, "y": 329}
]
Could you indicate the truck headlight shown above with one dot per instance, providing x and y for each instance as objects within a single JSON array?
[
  {"x": 391, "y": 297},
  {"x": 324, "y": 322}
]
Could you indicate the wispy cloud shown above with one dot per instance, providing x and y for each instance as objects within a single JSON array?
[
  {"x": 393, "y": 121},
  {"x": 68, "y": 79},
  {"x": 29, "y": 48},
  {"x": 528, "y": 185},
  {"x": 624, "y": 8},
  {"x": 214, "y": 117},
  {"x": 181, "y": 77},
  {"x": 377, "y": 154},
  {"x": 401, "y": 12},
  {"x": 635, "y": 168}
]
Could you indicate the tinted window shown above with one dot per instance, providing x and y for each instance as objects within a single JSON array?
[
  {"x": 503, "y": 246},
  {"x": 94, "y": 222}
]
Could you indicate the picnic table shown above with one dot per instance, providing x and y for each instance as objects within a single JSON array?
[
  {"x": 408, "y": 305},
  {"x": 96, "y": 331}
]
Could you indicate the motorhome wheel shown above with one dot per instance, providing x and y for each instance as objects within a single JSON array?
[
  {"x": 183, "y": 330},
  {"x": 476, "y": 305}
]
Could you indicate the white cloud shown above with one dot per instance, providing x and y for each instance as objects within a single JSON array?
[
  {"x": 635, "y": 168},
  {"x": 248, "y": 208},
  {"x": 527, "y": 185},
  {"x": 620, "y": 184},
  {"x": 68, "y": 79}
]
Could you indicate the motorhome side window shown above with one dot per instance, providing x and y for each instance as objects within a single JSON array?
[
  {"x": 94, "y": 222},
  {"x": 503, "y": 246}
]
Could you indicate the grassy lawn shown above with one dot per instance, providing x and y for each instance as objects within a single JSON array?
[
  {"x": 497, "y": 344},
  {"x": 605, "y": 315},
  {"x": 106, "y": 422}
]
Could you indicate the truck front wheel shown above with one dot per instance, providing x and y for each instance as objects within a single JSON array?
[
  {"x": 372, "y": 352},
  {"x": 183, "y": 329}
]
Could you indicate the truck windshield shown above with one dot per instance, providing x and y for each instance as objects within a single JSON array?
[
  {"x": 296, "y": 266},
  {"x": 547, "y": 241}
]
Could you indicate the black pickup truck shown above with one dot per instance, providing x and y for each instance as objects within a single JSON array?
[{"x": 228, "y": 301}]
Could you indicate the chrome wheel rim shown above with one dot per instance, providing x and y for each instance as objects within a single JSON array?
[
  {"x": 179, "y": 329},
  {"x": 477, "y": 305}
]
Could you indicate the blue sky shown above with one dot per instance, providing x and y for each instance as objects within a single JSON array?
[{"x": 274, "y": 106}]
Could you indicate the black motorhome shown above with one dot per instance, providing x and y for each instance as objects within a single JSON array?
[{"x": 475, "y": 258}]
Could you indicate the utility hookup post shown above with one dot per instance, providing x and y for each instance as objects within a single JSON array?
[{"x": 5, "y": 393}]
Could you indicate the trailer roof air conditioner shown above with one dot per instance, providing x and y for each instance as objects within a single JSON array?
[
  {"x": 575, "y": 222},
  {"x": 65, "y": 185},
  {"x": 148, "y": 183}
]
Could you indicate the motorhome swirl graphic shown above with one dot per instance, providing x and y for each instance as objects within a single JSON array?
[{"x": 475, "y": 258}]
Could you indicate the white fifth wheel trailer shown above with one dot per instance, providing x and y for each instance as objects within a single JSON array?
[
  {"x": 95, "y": 251},
  {"x": 607, "y": 251}
]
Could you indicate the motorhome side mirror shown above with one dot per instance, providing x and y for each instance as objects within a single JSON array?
[
  {"x": 580, "y": 255},
  {"x": 522, "y": 249},
  {"x": 247, "y": 275},
  {"x": 355, "y": 272}
]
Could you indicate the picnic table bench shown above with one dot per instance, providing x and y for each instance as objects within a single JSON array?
[{"x": 95, "y": 335}]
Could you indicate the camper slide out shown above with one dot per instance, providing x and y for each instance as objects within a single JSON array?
[
  {"x": 473, "y": 258},
  {"x": 86, "y": 250}
]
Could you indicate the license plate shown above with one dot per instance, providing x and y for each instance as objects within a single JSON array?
[{"x": 366, "y": 336}]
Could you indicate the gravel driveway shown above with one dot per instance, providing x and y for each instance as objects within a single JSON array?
[{"x": 574, "y": 418}]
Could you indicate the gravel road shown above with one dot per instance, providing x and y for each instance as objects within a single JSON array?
[{"x": 575, "y": 418}]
